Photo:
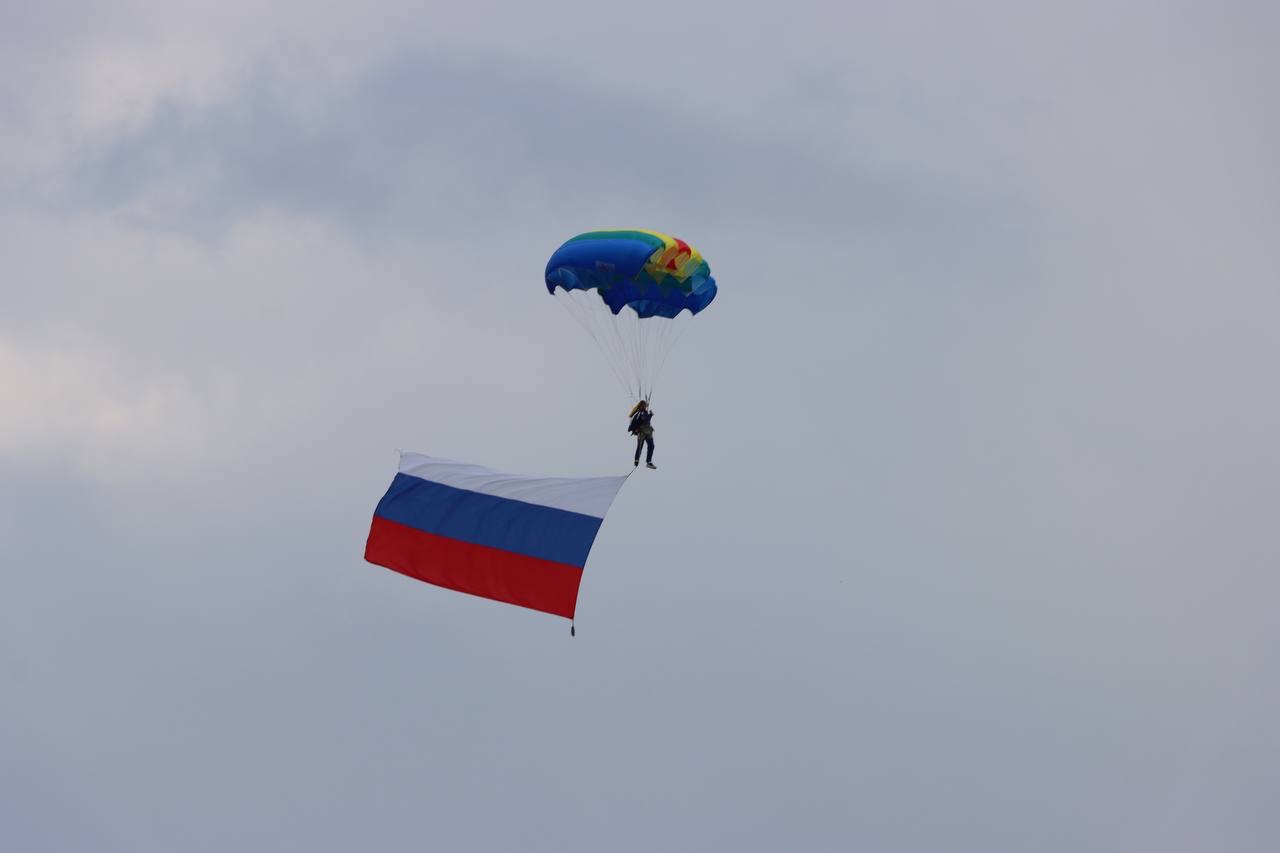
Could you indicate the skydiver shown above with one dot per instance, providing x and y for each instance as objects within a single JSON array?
[{"x": 643, "y": 431}]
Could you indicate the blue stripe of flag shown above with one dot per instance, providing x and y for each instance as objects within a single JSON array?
[{"x": 523, "y": 528}]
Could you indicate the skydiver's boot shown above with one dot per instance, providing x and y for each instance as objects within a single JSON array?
[{"x": 649, "y": 465}]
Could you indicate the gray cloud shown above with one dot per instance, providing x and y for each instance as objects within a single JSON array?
[{"x": 963, "y": 531}]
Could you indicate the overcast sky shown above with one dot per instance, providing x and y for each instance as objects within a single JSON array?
[{"x": 964, "y": 534}]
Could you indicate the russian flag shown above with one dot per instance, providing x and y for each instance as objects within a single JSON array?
[{"x": 522, "y": 540}]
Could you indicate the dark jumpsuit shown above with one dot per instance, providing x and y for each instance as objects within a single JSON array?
[{"x": 643, "y": 432}]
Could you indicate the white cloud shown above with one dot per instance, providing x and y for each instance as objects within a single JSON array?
[
  {"x": 969, "y": 473},
  {"x": 81, "y": 408}
]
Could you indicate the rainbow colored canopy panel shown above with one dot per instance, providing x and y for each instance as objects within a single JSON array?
[{"x": 653, "y": 274}]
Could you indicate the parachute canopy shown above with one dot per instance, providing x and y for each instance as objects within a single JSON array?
[
  {"x": 653, "y": 274},
  {"x": 632, "y": 291}
]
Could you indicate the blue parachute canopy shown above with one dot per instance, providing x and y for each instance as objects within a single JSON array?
[{"x": 653, "y": 274}]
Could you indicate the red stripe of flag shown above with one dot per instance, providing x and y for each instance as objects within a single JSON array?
[{"x": 476, "y": 569}]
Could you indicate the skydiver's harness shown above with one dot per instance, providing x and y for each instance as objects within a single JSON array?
[{"x": 640, "y": 423}]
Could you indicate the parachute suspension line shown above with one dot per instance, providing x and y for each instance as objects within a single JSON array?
[
  {"x": 671, "y": 335},
  {"x": 611, "y": 343},
  {"x": 621, "y": 325},
  {"x": 635, "y": 348},
  {"x": 642, "y": 353},
  {"x": 624, "y": 346},
  {"x": 630, "y": 331},
  {"x": 648, "y": 333},
  {"x": 653, "y": 339},
  {"x": 589, "y": 321}
]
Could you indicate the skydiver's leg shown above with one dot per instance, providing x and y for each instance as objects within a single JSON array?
[
  {"x": 648, "y": 439},
  {"x": 639, "y": 444}
]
